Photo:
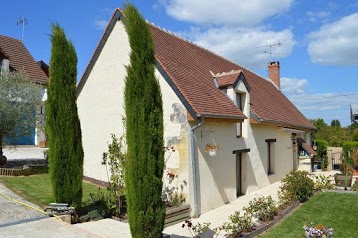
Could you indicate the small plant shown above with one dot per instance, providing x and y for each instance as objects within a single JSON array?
[
  {"x": 347, "y": 166},
  {"x": 323, "y": 182},
  {"x": 175, "y": 199},
  {"x": 325, "y": 162},
  {"x": 115, "y": 159},
  {"x": 355, "y": 187},
  {"x": 97, "y": 208},
  {"x": 239, "y": 224},
  {"x": 196, "y": 231},
  {"x": 317, "y": 231},
  {"x": 263, "y": 208},
  {"x": 296, "y": 186},
  {"x": 210, "y": 147}
]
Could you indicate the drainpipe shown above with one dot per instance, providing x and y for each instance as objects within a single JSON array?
[{"x": 193, "y": 165}]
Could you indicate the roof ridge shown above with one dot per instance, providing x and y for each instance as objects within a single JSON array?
[
  {"x": 12, "y": 38},
  {"x": 202, "y": 47},
  {"x": 232, "y": 72}
]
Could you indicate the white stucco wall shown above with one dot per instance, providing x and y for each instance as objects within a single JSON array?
[
  {"x": 217, "y": 175},
  {"x": 100, "y": 103},
  {"x": 101, "y": 109}
]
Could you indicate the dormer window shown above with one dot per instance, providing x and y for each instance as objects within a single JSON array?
[{"x": 224, "y": 90}]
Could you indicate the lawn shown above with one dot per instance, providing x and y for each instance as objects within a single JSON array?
[
  {"x": 335, "y": 210},
  {"x": 37, "y": 188}
]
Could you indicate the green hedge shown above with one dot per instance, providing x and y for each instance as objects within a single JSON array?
[
  {"x": 321, "y": 147},
  {"x": 349, "y": 146}
]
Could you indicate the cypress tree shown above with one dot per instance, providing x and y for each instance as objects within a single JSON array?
[
  {"x": 62, "y": 123},
  {"x": 144, "y": 123}
]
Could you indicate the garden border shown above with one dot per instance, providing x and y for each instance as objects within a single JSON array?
[
  {"x": 16, "y": 172},
  {"x": 262, "y": 228}
]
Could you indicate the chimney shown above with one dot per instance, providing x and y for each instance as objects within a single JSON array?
[{"x": 274, "y": 73}]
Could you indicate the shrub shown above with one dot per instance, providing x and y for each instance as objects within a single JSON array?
[
  {"x": 115, "y": 159},
  {"x": 239, "y": 224},
  {"x": 296, "y": 186},
  {"x": 325, "y": 162},
  {"x": 263, "y": 208},
  {"x": 196, "y": 231},
  {"x": 323, "y": 182},
  {"x": 355, "y": 187},
  {"x": 98, "y": 207},
  {"x": 349, "y": 146}
]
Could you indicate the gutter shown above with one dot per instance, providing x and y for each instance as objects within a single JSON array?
[{"x": 193, "y": 164}]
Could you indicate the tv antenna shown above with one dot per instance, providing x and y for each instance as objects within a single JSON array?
[
  {"x": 22, "y": 21},
  {"x": 270, "y": 46}
]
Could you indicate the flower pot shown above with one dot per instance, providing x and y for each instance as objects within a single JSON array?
[
  {"x": 343, "y": 180},
  {"x": 213, "y": 152}
]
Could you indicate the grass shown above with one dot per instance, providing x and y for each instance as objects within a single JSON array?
[
  {"x": 37, "y": 188},
  {"x": 335, "y": 210}
]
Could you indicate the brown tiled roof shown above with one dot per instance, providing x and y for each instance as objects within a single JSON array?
[
  {"x": 188, "y": 68},
  {"x": 20, "y": 59},
  {"x": 227, "y": 79},
  {"x": 306, "y": 147}
]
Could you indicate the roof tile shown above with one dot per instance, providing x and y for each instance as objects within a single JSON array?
[{"x": 20, "y": 59}]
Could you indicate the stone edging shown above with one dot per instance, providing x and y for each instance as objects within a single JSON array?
[
  {"x": 265, "y": 227},
  {"x": 339, "y": 191}
]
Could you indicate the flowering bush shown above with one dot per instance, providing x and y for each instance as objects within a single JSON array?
[
  {"x": 323, "y": 182},
  {"x": 263, "y": 208},
  {"x": 318, "y": 231},
  {"x": 239, "y": 224},
  {"x": 295, "y": 186},
  {"x": 197, "y": 230}
]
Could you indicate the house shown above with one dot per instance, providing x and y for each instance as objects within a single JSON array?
[
  {"x": 207, "y": 99},
  {"x": 15, "y": 57}
]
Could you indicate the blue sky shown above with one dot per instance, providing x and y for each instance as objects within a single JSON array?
[{"x": 318, "y": 55}]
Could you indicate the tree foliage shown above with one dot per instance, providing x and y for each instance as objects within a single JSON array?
[
  {"x": 334, "y": 135},
  {"x": 62, "y": 123},
  {"x": 19, "y": 99},
  {"x": 144, "y": 120},
  {"x": 336, "y": 122}
]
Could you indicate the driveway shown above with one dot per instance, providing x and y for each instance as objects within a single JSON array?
[{"x": 20, "y": 221}]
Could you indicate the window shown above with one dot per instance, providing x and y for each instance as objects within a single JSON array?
[
  {"x": 240, "y": 99},
  {"x": 270, "y": 161}
]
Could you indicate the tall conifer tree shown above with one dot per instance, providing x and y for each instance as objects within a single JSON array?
[
  {"x": 144, "y": 123},
  {"x": 62, "y": 123}
]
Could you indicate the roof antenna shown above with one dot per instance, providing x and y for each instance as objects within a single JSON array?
[
  {"x": 270, "y": 46},
  {"x": 22, "y": 21}
]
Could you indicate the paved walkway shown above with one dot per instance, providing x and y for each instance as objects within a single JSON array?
[
  {"x": 20, "y": 221},
  {"x": 111, "y": 228}
]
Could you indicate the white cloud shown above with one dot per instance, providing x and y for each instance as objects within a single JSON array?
[
  {"x": 293, "y": 85},
  {"x": 335, "y": 43},
  {"x": 217, "y": 12},
  {"x": 328, "y": 106},
  {"x": 100, "y": 24},
  {"x": 243, "y": 45},
  {"x": 316, "y": 16}
]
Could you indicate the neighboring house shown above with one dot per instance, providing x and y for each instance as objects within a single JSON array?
[
  {"x": 207, "y": 99},
  {"x": 354, "y": 113},
  {"x": 15, "y": 57}
]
